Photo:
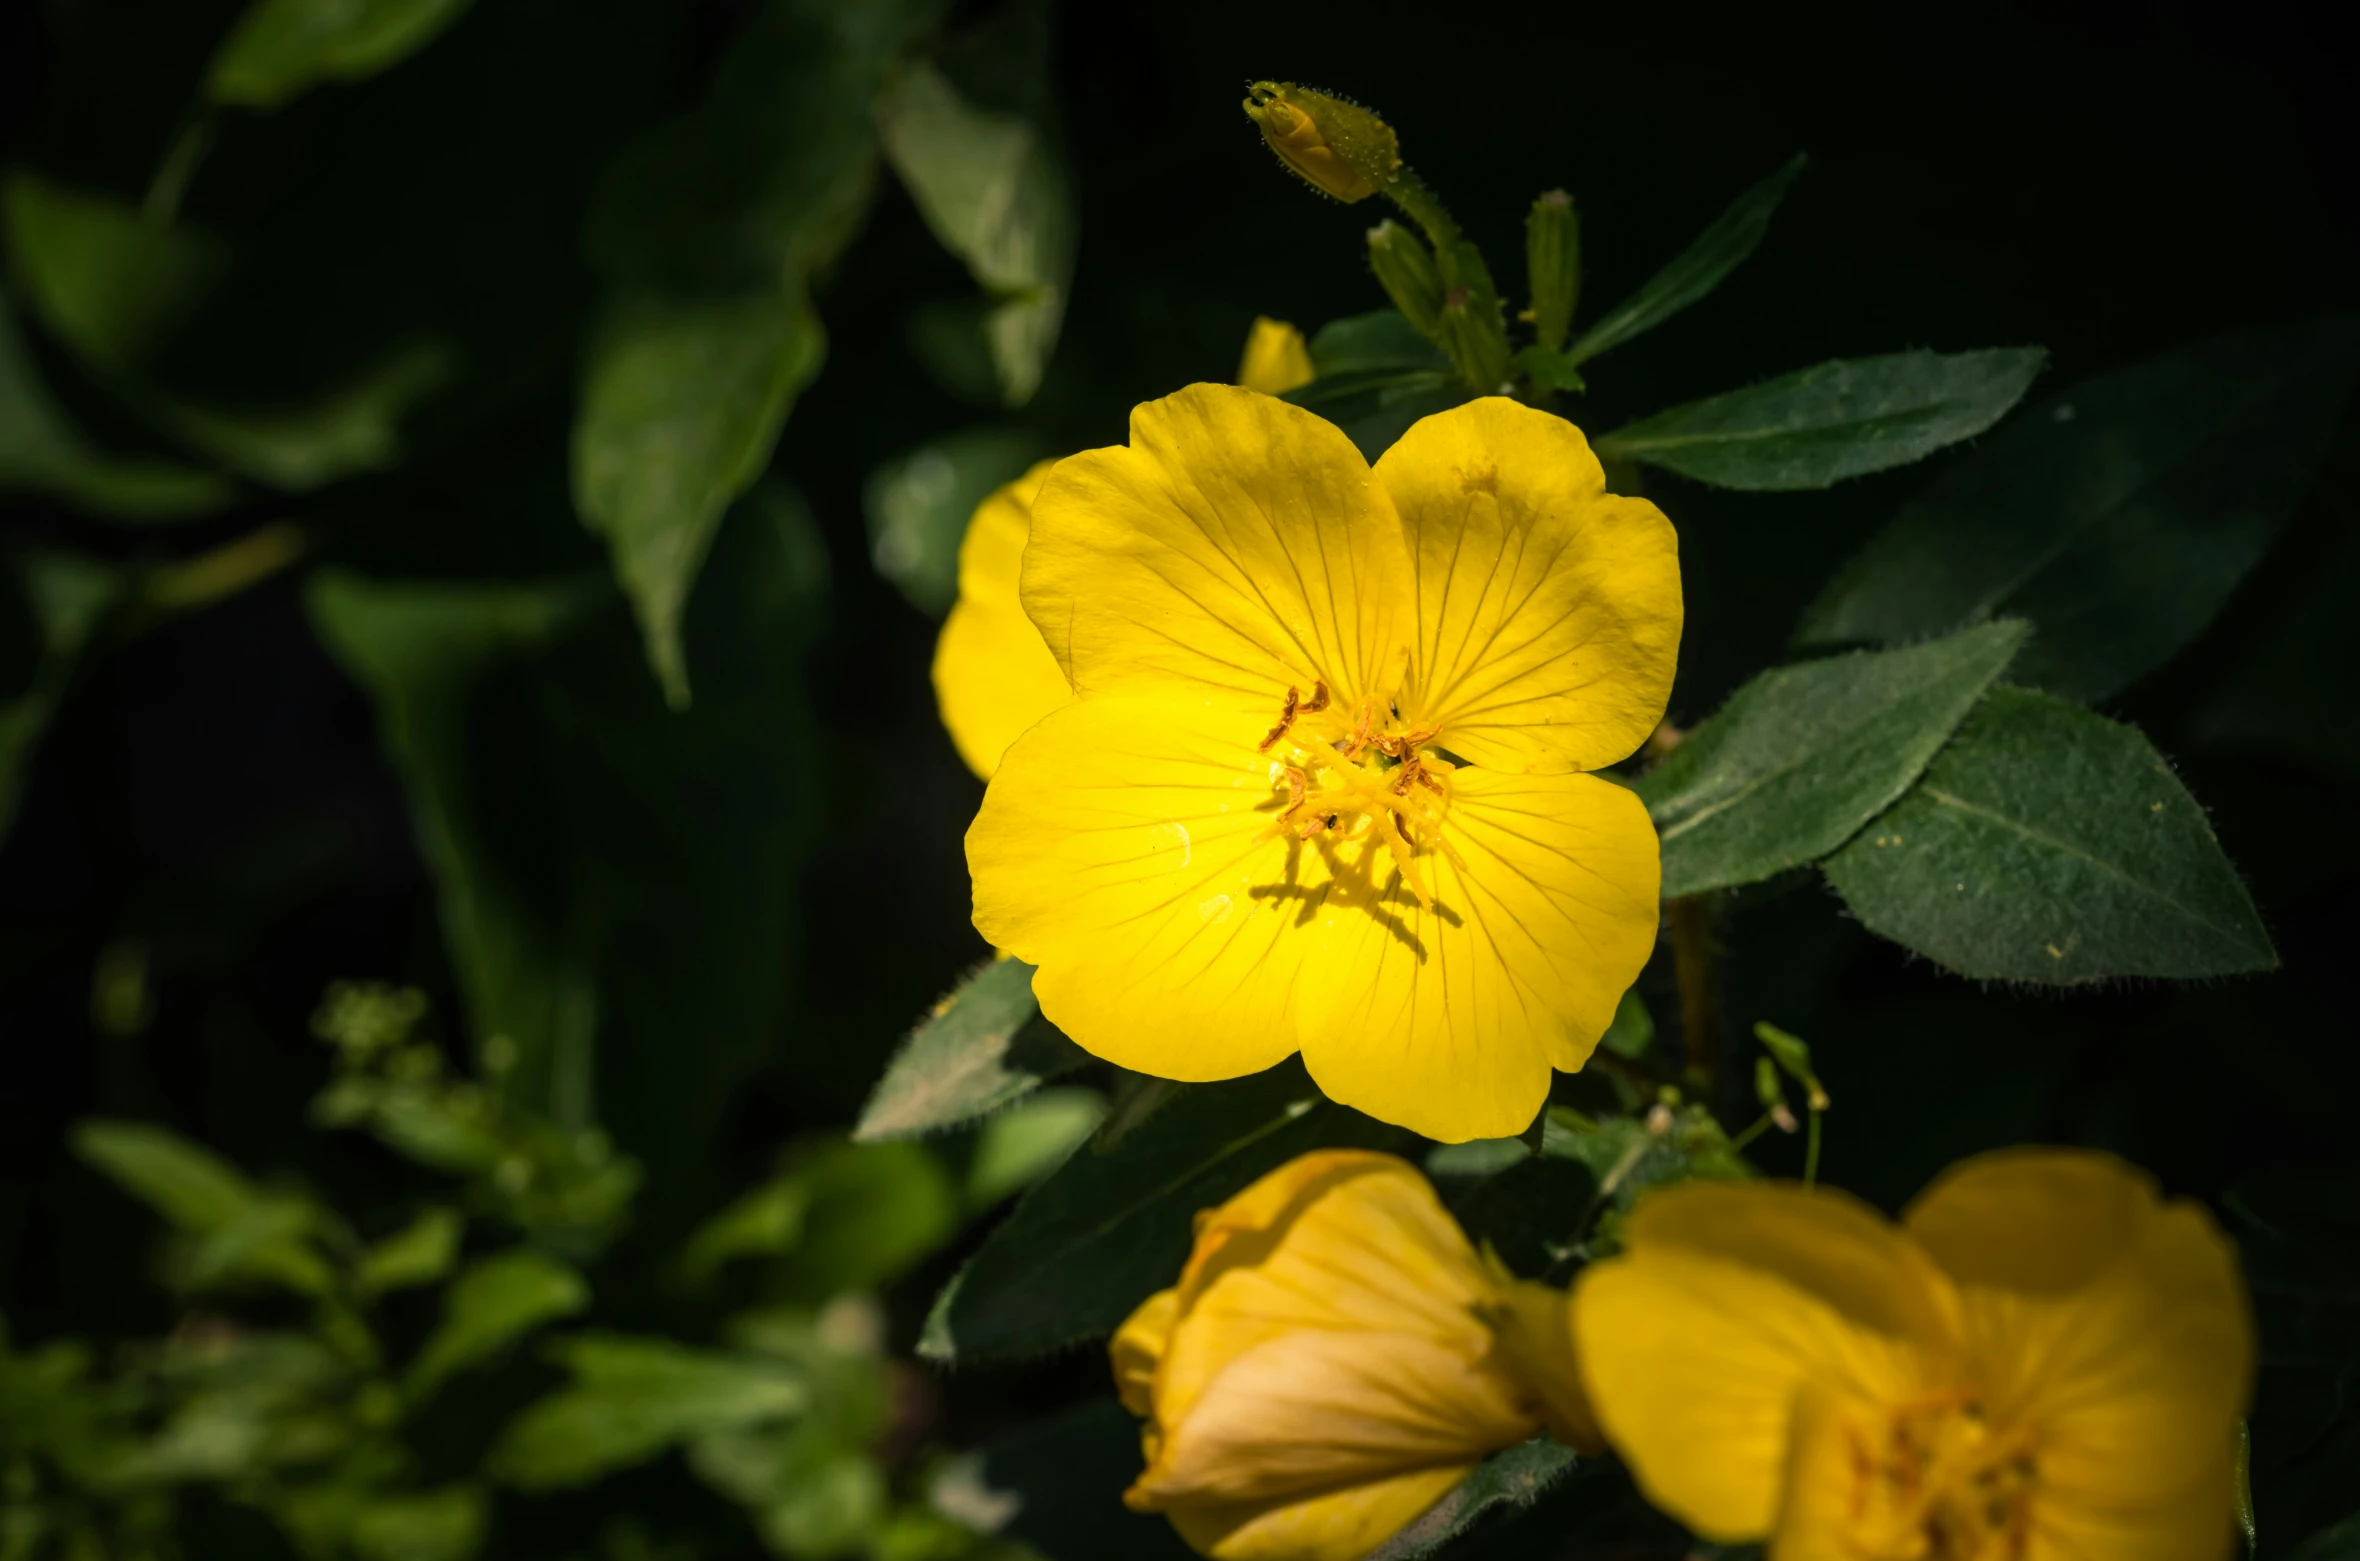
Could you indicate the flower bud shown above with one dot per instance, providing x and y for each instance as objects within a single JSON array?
[
  {"x": 1275, "y": 361},
  {"x": 1338, "y": 147},
  {"x": 1472, "y": 335},
  {"x": 1405, "y": 269},
  {"x": 1553, "y": 266}
]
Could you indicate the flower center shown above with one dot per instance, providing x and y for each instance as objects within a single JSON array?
[
  {"x": 1942, "y": 1484},
  {"x": 1359, "y": 774}
]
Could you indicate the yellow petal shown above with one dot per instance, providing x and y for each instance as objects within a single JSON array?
[
  {"x": 1339, "y": 1525},
  {"x": 1448, "y": 1021},
  {"x": 1137, "y": 1349},
  {"x": 1535, "y": 1327},
  {"x": 1548, "y": 610},
  {"x": 1124, "y": 848},
  {"x": 993, "y": 675},
  {"x": 2112, "y": 1324},
  {"x": 1276, "y": 360},
  {"x": 1727, "y": 1300},
  {"x": 1235, "y": 544}
]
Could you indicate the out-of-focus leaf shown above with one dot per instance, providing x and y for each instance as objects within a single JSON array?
[
  {"x": 1515, "y": 1477},
  {"x": 2294, "y": 695},
  {"x": 40, "y": 450},
  {"x": 355, "y": 428},
  {"x": 279, "y": 48},
  {"x": 2051, "y": 845},
  {"x": 1628, "y": 1155},
  {"x": 1063, "y": 1481},
  {"x": 918, "y": 506},
  {"x": 1029, "y": 1140},
  {"x": 983, "y": 1046},
  {"x": 185, "y": 1182},
  {"x": 1633, "y": 1029},
  {"x": 65, "y": 596},
  {"x": 265, "y": 1243},
  {"x": 1112, "y": 1224},
  {"x": 1529, "y": 1212},
  {"x": 2336, "y": 1542},
  {"x": 632, "y": 1398},
  {"x": 105, "y": 280},
  {"x": 420, "y": 1253},
  {"x": 1377, "y": 376},
  {"x": 872, "y": 1211},
  {"x": 828, "y": 1510},
  {"x": 1842, "y": 419},
  {"x": 993, "y": 188},
  {"x": 761, "y": 1223},
  {"x": 710, "y": 231},
  {"x": 1802, "y": 756},
  {"x": 1717, "y": 251},
  {"x": 498, "y": 1300},
  {"x": 2116, "y": 515},
  {"x": 439, "y": 1525}
]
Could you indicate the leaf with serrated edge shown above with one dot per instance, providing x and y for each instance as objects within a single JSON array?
[
  {"x": 1841, "y": 419},
  {"x": 1514, "y": 1477},
  {"x": 1802, "y": 756},
  {"x": 1698, "y": 269},
  {"x": 979, "y": 1050},
  {"x": 2051, "y": 845}
]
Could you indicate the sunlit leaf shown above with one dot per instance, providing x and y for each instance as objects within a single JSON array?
[
  {"x": 439, "y": 1525},
  {"x": 495, "y": 1302},
  {"x": 2050, "y": 845},
  {"x": 983, "y": 1046},
  {"x": 420, "y": 1253},
  {"x": 2117, "y": 515},
  {"x": 1717, "y": 251},
  {"x": 1841, "y": 419},
  {"x": 872, "y": 1211},
  {"x": 1029, "y": 1140},
  {"x": 760, "y": 1223},
  {"x": 278, "y": 48},
  {"x": 1802, "y": 756},
  {"x": 632, "y": 1398}
]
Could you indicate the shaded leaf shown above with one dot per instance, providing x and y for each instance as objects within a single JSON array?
[
  {"x": 1841, "y": 419},
  {"x": 1632, "y": 1031},
  {"x": 2293, "y": 695},
  {"x": 918, "y": 506},
  {"x": 1802, "y": 756},
  {"x": 631, "y": 1399},
  {"x": 1060, "y": 1483},
  {"x": 2051, "y": 845},
  {"x": 1515, "y": 1477},
  {"x": 65, "y": 596},
  {"x": 106, "y": 281},
  {"x": 278, "y": 48},
  {"x": 1028, "y": 1141},
  {"x": 353, "y": 428},
  {"x": 420, "y": 1253},
  {"x": 1381, "y": 340},
  {"x": 498, "y": 1300},
  {"x": 439, "y": 1525},
  {"x": 710, "y": 230},
  {"x": 2336, "y": 1542},
  {"x": 2116, "y": 515},
  {"x": 1717, "y": 251},
  {"x": 185, "y": 1182},
  {"x": 1113, "y": 1223},
  {"x": 983, "y": 1046},
  {"x": 761, "y": 1223},
  {"x": 872, "y": 1212},
  {"x": 1377, "y": 376}
]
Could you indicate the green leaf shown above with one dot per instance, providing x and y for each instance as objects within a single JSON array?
[
  {"x": 2117, "y": 515},
  {"x": 496, "y": 1301},
  {"x": 1716, "y": 252},
  {"x": 2336, "y": 1542},
  {"x": 109, "y": 283},
  {"x": 711, "y": 230},
  {"x": 1793, "y": 1056},
  {"x": 1802, "y": 756},
  {"x": 2051, "y": 845},
  {"x": 351, "y": 429},
  {"x": 1515, "y": 1478},
  {"x": 66, "y": 596},
  {"x": 994, "y": 190},
  {"x": 1377, "y": 376},
  {"x": 919, "y": 503},
  {"x": 185, "y": 1182},
  {"x": 873, "y": 1211},
  {"x": 438, "y": 1525},
  {"x": 281, "y": 47},
  {"x": 631, "y": 1399},
  {"x": 760, "y": 1223},
  {"x": 1842, "y": 419},
  {"x": 1551, "y": 369},
  {"x": 1112, "y": 1224},
  {"x": 265, "y": 1243},
  {"x": 1381, "y": 340},
  {"x": 1633, "y": 1029},
  {"x": 1628, "y": 1155},
  {"x": 984, "y": 1046},
  {"x": 420, "y": 1253},
  {"x": 1028, "y": 1141},
  {"x": 41, "y": 450}
]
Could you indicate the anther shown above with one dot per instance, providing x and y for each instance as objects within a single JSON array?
[{"x": 1286, "y": 719}]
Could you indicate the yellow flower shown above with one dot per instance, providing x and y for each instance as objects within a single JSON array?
[
  {"x": 2043, "y": 1361},
  {"x": 1323, "y": 1372},
  {"x": 1276, "y": 361},
  {"x": 1322, "y": 787},
  {"x": 993, "y": 675},
  {"x": 1338, "y": 147}
]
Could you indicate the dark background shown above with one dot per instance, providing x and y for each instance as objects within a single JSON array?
[{"x": 2102, "y": 181}]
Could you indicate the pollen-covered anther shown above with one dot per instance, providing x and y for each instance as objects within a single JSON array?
[{"x": 1296, "y": 705}]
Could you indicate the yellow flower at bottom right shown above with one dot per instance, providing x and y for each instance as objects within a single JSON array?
[{"x": 2044, "y": 1361}]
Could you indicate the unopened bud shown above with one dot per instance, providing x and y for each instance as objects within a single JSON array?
[
  {"x": 1472, "y": 335},
  {"x": 1405, "y": 269},
  {"x": 1338, "y": 147},
  {"x": 1275, "y": 360},
  {"x": 1553, "y": 266}
]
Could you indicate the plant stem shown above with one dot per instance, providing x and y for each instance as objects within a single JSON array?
[
  {"x": 227, "y": 569},
  {"x": 1811, "y": 1153},
  {"x": 178, "y": 170},
  {"x": 1692, "y": 959}
]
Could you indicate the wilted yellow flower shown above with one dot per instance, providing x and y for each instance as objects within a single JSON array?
[
  {"x": 993, "y": 675},
  {"x": 1323, "y": 1372},
  {"x": 1322, "y": 788},
  {"x": 1338, "y": 147},
  {"x": 1275, "y": 361},
  {"x": 2044, "y": 1362}
]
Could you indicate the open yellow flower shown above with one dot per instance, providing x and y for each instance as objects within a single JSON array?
[
  {"x": 2044, "y": 1362},
  {"x": 993, "y": 674},
  {"x": 1322, "y": 788},
  {"x": 1324, "y": 1371}
]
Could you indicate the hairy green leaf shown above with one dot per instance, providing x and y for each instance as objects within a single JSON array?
[
  {"x": 984, "y": 1046},
  {"x": 1842, "y": 419},
  {"x": 281, "y": 47},
  {"x": 1112, "y": 1224},
  {"x": 1802, "y": 756},
  {"x": 2051, "y": 845},
  {"x": 498, "y": 1300},
  {"x": 1717, "y": 251},
  {"x": 918, "y": 506},
  {"x": 1515, "y": 1477},
  {"x": 2117, "y": 515},
  {"x": 631, "y": 1399}
]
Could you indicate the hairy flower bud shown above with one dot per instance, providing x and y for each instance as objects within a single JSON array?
[
  {"x": 1472, "y": 335},
  {"x": 1405, "y": 269},
  {"x": 1552, "y": 266},
  {"x": 1340, "y": 148}
]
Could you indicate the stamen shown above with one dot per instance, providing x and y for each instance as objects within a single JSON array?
[{"x": 1286, "y": 719}]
